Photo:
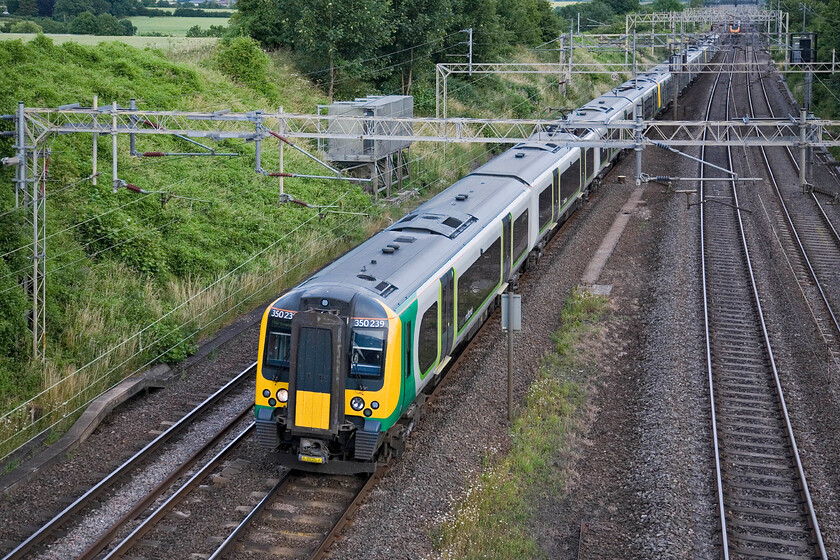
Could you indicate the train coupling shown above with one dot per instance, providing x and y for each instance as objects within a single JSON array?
[{"x": 313, "y": 451}]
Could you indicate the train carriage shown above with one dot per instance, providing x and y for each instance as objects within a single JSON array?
[{"x": 347, "y": 357}]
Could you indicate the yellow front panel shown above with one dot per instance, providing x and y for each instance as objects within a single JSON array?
[{"x": 312, "y": 410}]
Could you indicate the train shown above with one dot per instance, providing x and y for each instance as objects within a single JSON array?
[
  {"x": 347, "y": 358},
  {"x": 735, "y": 27}
]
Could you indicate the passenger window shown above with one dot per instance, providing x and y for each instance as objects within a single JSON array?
[
  {"x": 427, "y": 353},
  {"x": 570, "y": 181},
  {"x": 545, "y": 207},
  {"x": 278, "y": 349},
  {"x": 367, "y": 352},
  {"x": 520, "y": 235},
  {"x": 479, "y": 281}
]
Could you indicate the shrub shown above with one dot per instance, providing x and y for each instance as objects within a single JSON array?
[
  {"x": 26, "y": 27},
  {"x": 242, "y": 60}
]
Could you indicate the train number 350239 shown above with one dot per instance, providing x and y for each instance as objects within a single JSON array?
[{"x": 381, "y": 323}]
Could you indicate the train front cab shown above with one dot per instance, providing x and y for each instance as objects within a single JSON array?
[{"x": 328, "y": 384}]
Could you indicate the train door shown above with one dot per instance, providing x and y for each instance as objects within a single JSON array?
[
  {"x": 409, "y": 391},
  {"x": 316, "y": 372},
  {"x": 447, "y": 300},
  {"x": 556, "y": 184},
  {"x": 507, "y": 242}
]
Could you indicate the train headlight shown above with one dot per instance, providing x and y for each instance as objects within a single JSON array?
[
  {"x": 357, "y": 403},
  {"x": 283, "y": 395},
  {"x": 266, "y": 393}
]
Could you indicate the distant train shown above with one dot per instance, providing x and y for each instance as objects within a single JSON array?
[
  {"x": 735, "y": 27},
  {"x": 347, "y": 358}
]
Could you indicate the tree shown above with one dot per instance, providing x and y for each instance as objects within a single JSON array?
[
  {"x": 667, "y": 6},
  {"x": 420, "y": 27},
  {"x": 271, "y": 22},
  {"x": 621, "y": 7},
  {"x": 488, "y": 36},
  {"x": 342, "y": 36},
  {"x": 106, "y": 24},
  {"x": 128, "y": 29},
  {"x": 84, "y": 24},
  {"x": 72, "y": 7},
  {"x": 27, "y": 8},
  {"x": 101, "y": 7},
  {"x": 45, "y": 7},
  {"x": 528, "y": 22},
  {"x": 595, "y": 11}
]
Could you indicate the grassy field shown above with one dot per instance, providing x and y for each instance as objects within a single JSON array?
[
  {"x": 165, "y": 43},
  {"x": 175, "y": 26}
]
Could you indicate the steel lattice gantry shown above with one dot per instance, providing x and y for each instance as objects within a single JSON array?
[
  {"x": 258, "y": 125},
  {"x": 34, "y": 127}
]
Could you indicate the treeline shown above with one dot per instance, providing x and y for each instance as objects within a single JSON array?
[
  {"x": 392, "y": 44},
  {"x": 64, "y": 9},
  {"x": 608, "y": 15},
  {"x": 192, "y": 12},
  {"x": 84, "y": 24}
]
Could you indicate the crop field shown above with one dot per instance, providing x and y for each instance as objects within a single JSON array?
[
  {"x": 165, "y": 43},
  {"x": 175, "y": 26}
]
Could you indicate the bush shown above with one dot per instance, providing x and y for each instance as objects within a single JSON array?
[
  {"x": 242, "y": 60},
  {"x": 26, "y": 27}
]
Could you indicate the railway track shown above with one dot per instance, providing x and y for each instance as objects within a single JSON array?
[
  {"x": 98, "y": 494},
  {"x": 300, "y": 517},
  {"x": 809, "y": 228},
  {"x": 764, "y": 505}
]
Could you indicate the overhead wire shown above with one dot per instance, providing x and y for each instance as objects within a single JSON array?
[
  {"x": 170, "y": 312},
  {"x": 227, "y": 275}
]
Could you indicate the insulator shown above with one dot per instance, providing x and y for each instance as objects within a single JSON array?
[
  {"x": 278, "y": 174},
  {"x": 153, "y": 154},
  {"x": 281, "y": 138},
  {"x": 134, "y": 188}
]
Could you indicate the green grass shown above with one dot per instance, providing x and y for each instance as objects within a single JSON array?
[
  {"x": 165, "y": 43},
  {"x": 175, "y": 26},
  {"x": 492, "y": 518},
  {"x": 121, "y": 261}
]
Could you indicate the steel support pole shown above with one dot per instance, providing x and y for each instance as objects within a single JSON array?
[
  {"x": 114, "y": 131},
  {"x": 40, "y": 256},
  {"x": 20, "y": 149},
  {"x": 626, "y": 39},
  {"x": 281, "y": 130},
  {"x": 637, "y": 134},
  {"x": 571, "y": 52},
  {"x": 95, "y": 172},
  {"x": 132, "y": 138},
  {"x": 803, "y": 150},
  {"x": 437, "y": 91}
]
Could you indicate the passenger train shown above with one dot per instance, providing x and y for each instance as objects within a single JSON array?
[{"x": 347, "y": 358}]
